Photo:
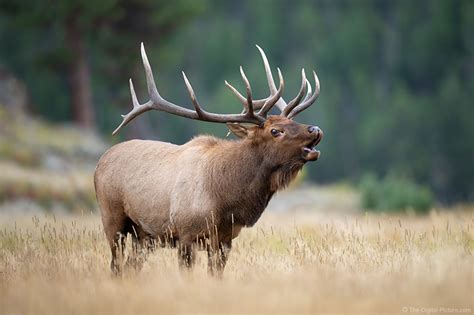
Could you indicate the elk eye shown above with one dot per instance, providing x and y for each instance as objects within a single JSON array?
[{"x": 275, "y": 132}]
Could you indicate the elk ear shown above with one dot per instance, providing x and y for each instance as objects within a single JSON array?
[{"x": 239, "y": 130}]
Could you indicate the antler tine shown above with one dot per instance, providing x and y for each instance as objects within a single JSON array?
[
  {"x": 271, "y": 101},
  {"x": 309, "y": 91},
  {"x": 137, "y": 109},
  {"x": 294, "y": 102},
  {"x": 150, "y": 81},
  {"x": 249, "y": 103},
  {"x": 309, "y": 101},
  {"x": 241, "y": 98},
  {"x": 201, "y": 113},
  {"x": 281, "y": 104},
  {"x": 268, "y": 71},
  {"x": 134, "y": 95}
]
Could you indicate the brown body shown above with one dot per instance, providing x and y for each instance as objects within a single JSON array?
[
  {"x": 205, "y": 189},
  {"x": 201, "y": 193}
]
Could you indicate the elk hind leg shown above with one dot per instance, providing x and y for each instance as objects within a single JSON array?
[
  {"x": 116, "y": 236},
  {"x": 217, "y": 255},
  {"x": 141, "y": 245}
]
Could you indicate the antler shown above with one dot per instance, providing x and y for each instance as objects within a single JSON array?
[
  {"x": 157, "y": 102},
  {"x": 298, "y": 104}
]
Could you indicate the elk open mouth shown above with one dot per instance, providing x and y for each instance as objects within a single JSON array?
[{"x": 309, "y": 151}]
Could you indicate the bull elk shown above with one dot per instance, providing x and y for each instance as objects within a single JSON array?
[{"x": 200, "y": 194}]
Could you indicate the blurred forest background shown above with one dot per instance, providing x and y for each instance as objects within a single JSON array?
[{"x": 397, "y": 85}]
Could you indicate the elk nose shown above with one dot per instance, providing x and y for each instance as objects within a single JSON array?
[{"x": 313, "y": 129}]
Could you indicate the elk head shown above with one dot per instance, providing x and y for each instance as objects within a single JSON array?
[{"x": 281, "y": 137}]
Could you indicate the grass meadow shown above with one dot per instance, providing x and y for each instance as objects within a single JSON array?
[{"x": 300, "y": 262}]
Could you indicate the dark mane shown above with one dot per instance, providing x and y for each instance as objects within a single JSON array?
[{"x": 284, "y": 174}]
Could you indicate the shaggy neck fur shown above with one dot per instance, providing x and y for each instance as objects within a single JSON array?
[{"x": 244, "y": 177}]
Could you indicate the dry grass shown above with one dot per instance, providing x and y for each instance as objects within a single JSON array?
[{"x": 285, "y": 264}]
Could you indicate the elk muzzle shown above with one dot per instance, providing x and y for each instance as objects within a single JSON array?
[{"x": 309, "y": 150}]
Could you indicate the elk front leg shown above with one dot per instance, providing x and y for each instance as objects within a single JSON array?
[
  {"x": 217, "y": 257},
  {"x": 186, "y": 255}
]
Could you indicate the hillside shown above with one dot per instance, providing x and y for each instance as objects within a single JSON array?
[{"x": 44, "y": 166}]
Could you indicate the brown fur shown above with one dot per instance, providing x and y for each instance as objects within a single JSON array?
[{"x": 205, "y": 190}]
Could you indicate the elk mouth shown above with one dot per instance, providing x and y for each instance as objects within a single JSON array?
[{"x": 309, "y": 151}]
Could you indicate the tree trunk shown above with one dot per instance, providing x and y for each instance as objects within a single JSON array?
[{"x": 79, "y": 75}]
